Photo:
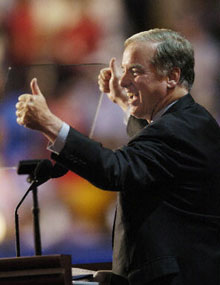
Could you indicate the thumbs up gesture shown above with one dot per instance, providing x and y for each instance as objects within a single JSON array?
[
  {"x": 35, "y": 88},
  {"x": 108, "y": 81},
  {"x": 32, "y": 112}
]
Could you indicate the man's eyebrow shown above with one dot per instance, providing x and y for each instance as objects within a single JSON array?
[{"x": 135, "y": 65}]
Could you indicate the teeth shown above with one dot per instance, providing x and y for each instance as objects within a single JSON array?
[{"x": 130, "y": 95}]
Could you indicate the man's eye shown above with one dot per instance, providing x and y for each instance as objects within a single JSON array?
[{"x": 135, "y": 72}]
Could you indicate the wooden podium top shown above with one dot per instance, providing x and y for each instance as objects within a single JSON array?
[
  {"x": 37, "y": 270},
  {"x": 45, "y": 270}
]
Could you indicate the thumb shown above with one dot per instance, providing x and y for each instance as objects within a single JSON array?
[
  {"x": 113, "y": 67},
  {"x": 34, "y": 87}
]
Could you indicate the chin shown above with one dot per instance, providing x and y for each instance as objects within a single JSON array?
[{"x": 137, "y": 114}]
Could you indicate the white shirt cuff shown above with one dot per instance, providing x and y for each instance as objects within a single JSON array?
[{"x": 60, "y": 141}]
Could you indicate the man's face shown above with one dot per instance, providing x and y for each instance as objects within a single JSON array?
[{"x": 144, "y": 87}]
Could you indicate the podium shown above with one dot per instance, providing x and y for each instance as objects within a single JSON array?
[{"x": 36, "y": 270}]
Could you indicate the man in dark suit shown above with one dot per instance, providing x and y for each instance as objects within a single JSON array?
[{"x": 167, "y": 225}]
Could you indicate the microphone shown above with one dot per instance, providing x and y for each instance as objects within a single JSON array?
[
  {"x": 33, "y": 167},
  {"x": 40, "y": 171}
]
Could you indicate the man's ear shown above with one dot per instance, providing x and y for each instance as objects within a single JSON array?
[{"x": 173, "y": 77}]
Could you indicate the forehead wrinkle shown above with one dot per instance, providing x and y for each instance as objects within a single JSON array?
[{"x": 139, "y": 52}]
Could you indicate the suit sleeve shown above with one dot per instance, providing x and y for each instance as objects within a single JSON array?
[{"x": 140, "y": 163}]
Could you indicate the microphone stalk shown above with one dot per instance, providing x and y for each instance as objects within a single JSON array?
[
  {"x": 42, "y": 173},
  {"x": 39, "y": 172},
  {"x": 36, "y": 222},
  {"x": 17, "y": 231}
]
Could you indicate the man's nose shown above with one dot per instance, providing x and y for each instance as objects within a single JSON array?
[{"x": 125, "y": 80}]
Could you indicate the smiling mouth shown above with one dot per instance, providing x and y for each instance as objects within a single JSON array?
[{"x": 130, "y": 95}]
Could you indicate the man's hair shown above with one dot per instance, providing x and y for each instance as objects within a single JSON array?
[{"x": 173, "y": 50}]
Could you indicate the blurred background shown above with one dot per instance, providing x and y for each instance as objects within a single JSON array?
[{"x": 65, "y": 43}]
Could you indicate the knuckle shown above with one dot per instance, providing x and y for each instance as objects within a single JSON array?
[
  {"x": 104, "y": 69},
  {"x": 106, "y": 72}
]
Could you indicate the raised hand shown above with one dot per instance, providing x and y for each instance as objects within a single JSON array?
[
  {"x": 108, "y": 81},
  {"x": 32, "y": 112}
]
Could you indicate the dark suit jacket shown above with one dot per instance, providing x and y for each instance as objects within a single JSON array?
[{"x": 168, "y": 183}]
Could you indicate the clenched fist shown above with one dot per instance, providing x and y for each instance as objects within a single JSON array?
[
  {"x": 109, "y": 83},
  {"x": 32, "y": 112}
]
